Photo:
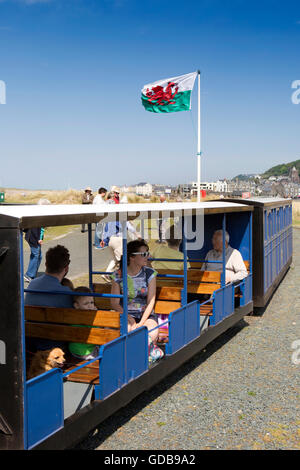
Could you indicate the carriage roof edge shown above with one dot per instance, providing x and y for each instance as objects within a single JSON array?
[{"x": 28, "y": 216}]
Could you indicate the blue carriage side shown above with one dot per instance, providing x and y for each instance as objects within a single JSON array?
[{"x": 55, "y": 410}]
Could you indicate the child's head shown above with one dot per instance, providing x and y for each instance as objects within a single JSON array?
[
  {"x": 66, "y": 282},
  {"x": 82, "y": 302}
]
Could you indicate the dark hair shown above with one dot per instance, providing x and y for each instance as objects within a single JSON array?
[
  {"x": 57, "y": 258},
  {"x": 83, "y": 289},
  {"x": 102, "y": 190},
  {"x": 133, "y": 247},
  {"x": 68, "y": 283}
]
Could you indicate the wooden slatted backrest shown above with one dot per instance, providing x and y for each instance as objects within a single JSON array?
[
  {"x": 67, "y": 324},
  {"x": 193, "y": 275},
  {"x": 167, "y": 300},
  {"x": 102, "y": 302},
  {"x": 197, "y": 265}
]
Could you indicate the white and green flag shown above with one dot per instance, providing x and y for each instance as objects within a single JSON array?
[{"x": 169, "y": 95}]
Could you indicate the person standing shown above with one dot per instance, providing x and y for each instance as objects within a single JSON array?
[
  {"x": 87, "y": 198},
  {"x": 99, "y": 199},
  {"x": 34, "y": 238},
  {"x": 113, "y": 237},
  {"x": 162, "y": 223},
  {"x": 116, "y": 192}
]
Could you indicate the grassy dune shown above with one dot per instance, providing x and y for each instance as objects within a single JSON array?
[
  {"x": 23, "y": 196},
  {"x": 73, "y": 196}
]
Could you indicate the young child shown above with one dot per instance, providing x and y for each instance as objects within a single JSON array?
[
  {"x": 67, "y": 282},
  {"x": 82, "y": 350}
]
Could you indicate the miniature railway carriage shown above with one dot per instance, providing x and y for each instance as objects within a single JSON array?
[
  {"x": 272, "y": 244},
  {"x": 58, "y": 408}
]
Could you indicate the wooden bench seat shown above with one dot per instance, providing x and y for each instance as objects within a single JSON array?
[
  {"x": 102, "y": 302},
  {"x": 88, "y": 374},
  {"x": 71, "y": 325},
  {"x": 198, "y": 265},
  {"x": 198, "y": 282},
  {"x": 168, "y": 297}
]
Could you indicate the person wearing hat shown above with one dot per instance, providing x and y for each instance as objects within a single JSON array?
[
  {"x": 116, "y": 192},
  {"x": 87, "y": 198}
]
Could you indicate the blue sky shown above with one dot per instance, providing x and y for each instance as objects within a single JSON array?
[{"x": 74, "y": 70}]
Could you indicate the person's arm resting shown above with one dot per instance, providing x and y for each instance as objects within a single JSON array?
[
  {"x": 150, "y": 302},
  {"x": 114, "y": 301},
  {"x": 240, "y": 270}
]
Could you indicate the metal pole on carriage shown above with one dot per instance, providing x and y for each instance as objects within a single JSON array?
[{"x": 198, "y": 145}]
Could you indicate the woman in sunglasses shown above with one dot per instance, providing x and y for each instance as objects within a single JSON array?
[{"x": 141, "y": 281}]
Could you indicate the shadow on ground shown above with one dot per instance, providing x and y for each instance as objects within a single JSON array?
[{"x": 121, "y": 417}]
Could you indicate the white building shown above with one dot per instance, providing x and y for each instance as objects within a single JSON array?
[
  {"x": 144, "y": 189},
  {"x": 207, "y": 186},
  {"x": 218, "y": 186},
  {"x": 221, "y": 186}
]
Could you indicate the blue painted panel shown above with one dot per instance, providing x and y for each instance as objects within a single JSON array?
[
  {"x": 228, "y": 293},
  {"x": 237, "y": 225},
  {"x": 184, "y": 326},
  {"x": 45, "y": 414},
  {"x": 217, "y": 307},
  {"x": 265, "y": 226},
  {"x": 247, "y": 290},
  {"x": 137, "y": 352},
  {"x": 223, "y": 304},
  {"x": 176, "y": 331},
  {"x": 192, "y": 321},
  {"x": 112, "y": 368}
]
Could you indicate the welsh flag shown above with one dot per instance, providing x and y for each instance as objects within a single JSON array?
[{"x": 169, "y": 95}]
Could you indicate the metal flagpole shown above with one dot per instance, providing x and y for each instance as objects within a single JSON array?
[{"x": 199, "y": 145}]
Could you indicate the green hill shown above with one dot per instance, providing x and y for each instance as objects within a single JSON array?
[
  {"x": 244, "y": 177},
  {"x": 282, "y": 169}
]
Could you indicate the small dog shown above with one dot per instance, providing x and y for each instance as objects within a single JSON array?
[{"x": 46, "y": 360}]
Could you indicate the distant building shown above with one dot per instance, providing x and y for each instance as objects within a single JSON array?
[
  {"x": 221, "y": 186},
  {"x": 127, "y": 189},
  {"x": 144, "y": 189},
  {"x": 184, "y": 189},
  {"x": 294, "y": 175},
  {"x": 203, "y": 186},
  {"x": 159, "y": 189}
]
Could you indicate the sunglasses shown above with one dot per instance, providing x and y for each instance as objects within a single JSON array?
[{"x": 144, "y": 254}]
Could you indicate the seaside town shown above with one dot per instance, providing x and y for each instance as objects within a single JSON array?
[{"x": 240, "y": 186}]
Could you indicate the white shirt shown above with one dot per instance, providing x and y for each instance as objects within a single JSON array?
[
  {"x": 235, "y": 266},
  {"x": 98, "y": 199}
]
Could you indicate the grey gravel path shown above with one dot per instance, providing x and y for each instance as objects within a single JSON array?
[{"x": 241, "y": 392}]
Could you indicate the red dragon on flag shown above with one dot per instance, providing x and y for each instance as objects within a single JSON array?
[{"x": 161, "y": 95}]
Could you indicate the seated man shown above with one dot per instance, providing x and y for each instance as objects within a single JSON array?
[
  {"x": 57, "y": 267},
  {"x": 170, "y": 251},
  {"x": 235, "y": 266}
]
